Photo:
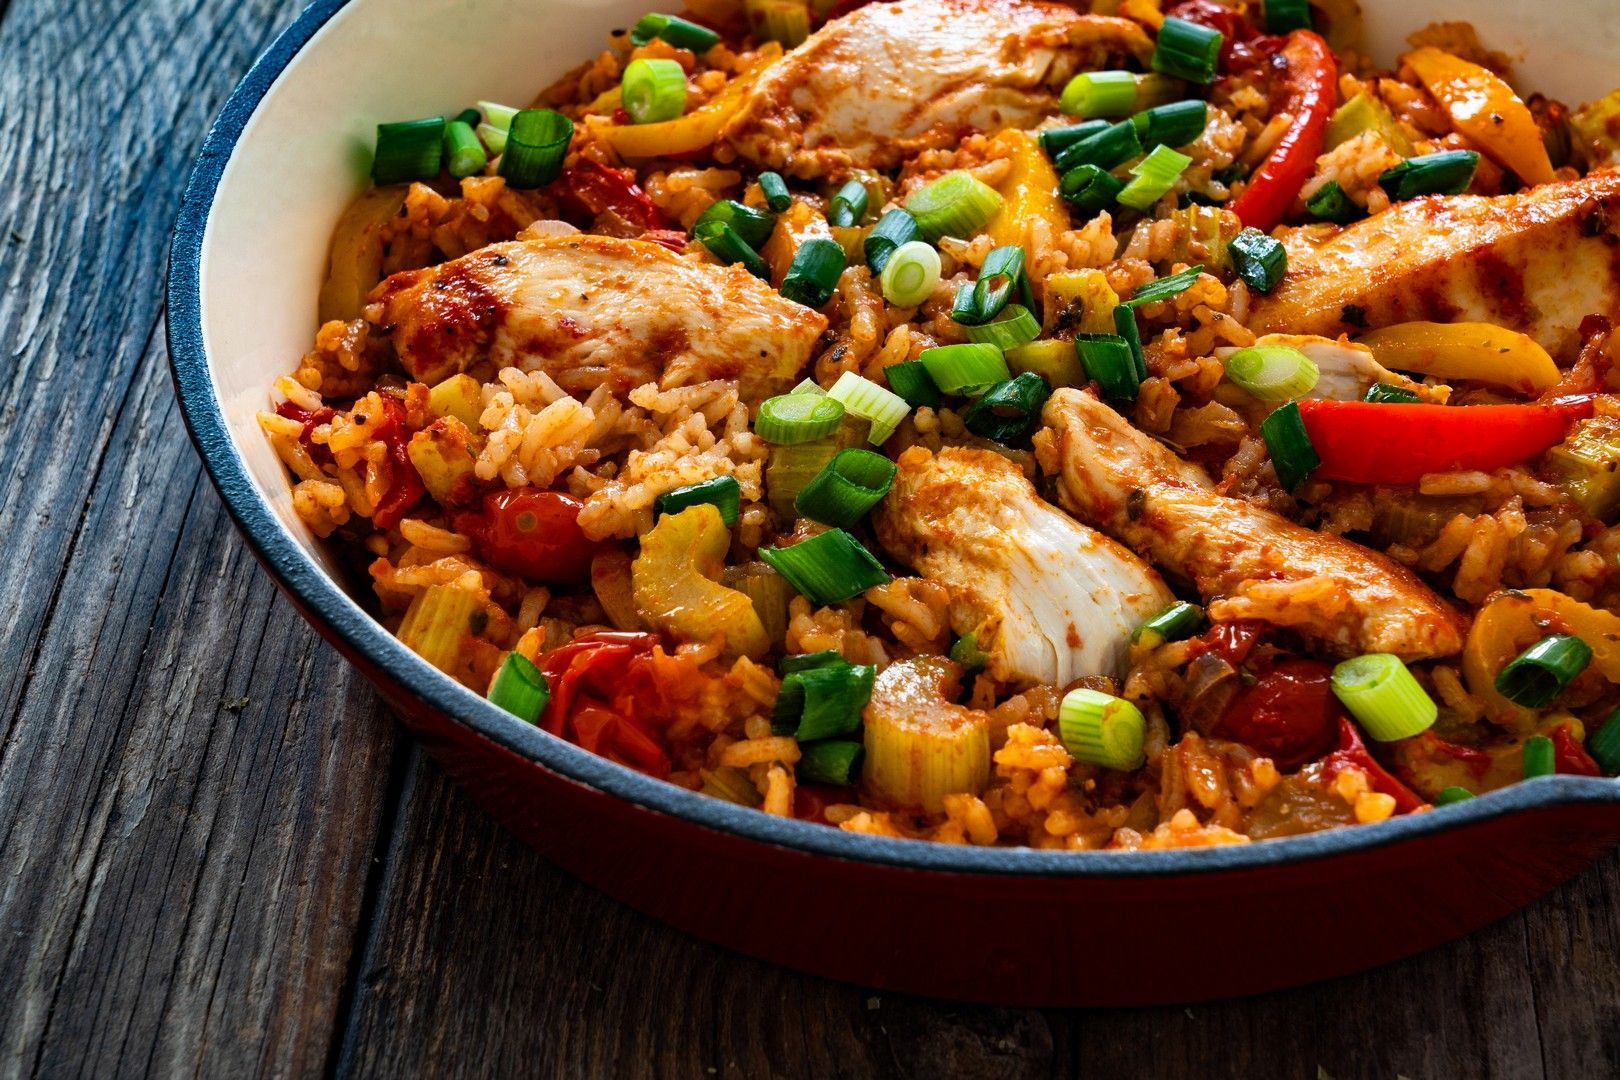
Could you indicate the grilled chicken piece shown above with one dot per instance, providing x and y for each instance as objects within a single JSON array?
[
  {"x": 590, "y": 310},
  {"x": 1539, "y": 262},
  {"x": 868, "y": 89},
  {"x": 1248, "y": 562},
  {"x": 1049, "y": 599}
]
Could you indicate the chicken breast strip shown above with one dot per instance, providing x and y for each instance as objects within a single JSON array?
[
  {"x": 1247, "y": 562},
  {"x": 589, "y": 310},
  {"x": 1539, "y": 262},
  {"x": 1049, "y": 599},
  {"x": 868, "y": 89}
]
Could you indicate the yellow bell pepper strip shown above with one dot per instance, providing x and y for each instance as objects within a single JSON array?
[
  {"x": 1485, "y": 109},
  {"x": 356, "y": 259},
  {"x": 692, "y": 132},
  {"x": 1465, "y": 350},
  {"x": 1596, "y": 125},
  {"x": 1510, "y": 622},
  {"x": 1029, "y": 193},
  {"x": 674, "y": 583}
]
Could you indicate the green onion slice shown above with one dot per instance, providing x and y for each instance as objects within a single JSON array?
[
  {"x": 1285, "y": 15},
  {"x": 1102, "y": 729},
  {"x": 848, "y": 206},
  {"x": 494, "y": 138},
  {"x": 1330, "y": 203},
  {"x": 910, "y": 274},
  {"x": 1113, "y": 145},
  {"x": 1090, "y": 188},
  {"x": 1166, "y": 287},
  {"x": 836, "y": 761},
  {"x": 913, "y": 383},
  {"x": 828, "y": 568},
  {"x": 893, "y": 231},
  {"x": 1175, "y": 124},
  {"x": 1125, "y": 326},
  {"x": 723, "y": 492},
  {"x": 1009, "y": 409},
  {"x": 1540, "y": 758},
  {"x": 1540, "y": 673},
  {"x": 653, "y": 91},
  {"x": 1099, "y": 93},
  {"x": 754, "y": 226},
  {"x": 866, "y": 399},
  {"x": 1260, "y": 260},
  {"x": 724, "y": 244},
  {"x": 775, "y": 190},
  {"x": 1448, "y": 172},
  {"x": 966, "y": 652},
  {"x": 1001, "y": 274},
  {"x": 408, "y": 150},
  {"x": 1177, "y": 622},
  {"x": 843, "y": 492},
  {"x": 813, "y": 274},
  {"x": 1604, "y": 745},
  {"x": 965, "y": 369},
  {"x": 957, "y": 204},
  {"x": 791, "y": 419},
  {"x": 464, "y": 153},
  {"x": 1058, "y": 139},
  {"x": 1453, "y": 794},
  {"x": 1015, "y": 326},
  {"x": 675, "y": 30},
  {"x": 1272, "y": 372},
  {"x": 1385, "y": 394},
  {"x": 536, "y": 144},
  {"x": 807, "y": 661},
  {"x": 471, "y": 117},
  {"x": 520, "y": 688},
  {"x": 1108, "y": 363},
  {"x": 497, "y": 115},
  {"x": 822, "y": 702},
  {"x": 1155, "y": 175},
  {"x": 1187, "y": 50},
  {"x": 1384, "y": 697},
  {"x": 1292, "y": 454}
]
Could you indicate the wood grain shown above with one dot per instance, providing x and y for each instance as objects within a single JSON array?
[{"x": 220, "y": 859}]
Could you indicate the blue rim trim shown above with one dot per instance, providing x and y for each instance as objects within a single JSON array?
[{"x": 305, "y": 579}]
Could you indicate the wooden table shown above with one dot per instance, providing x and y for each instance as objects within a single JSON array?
[{"x": 220, "y": 855}]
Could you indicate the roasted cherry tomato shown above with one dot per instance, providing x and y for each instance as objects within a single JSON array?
[
  {"x": 1352, "y": 751},
  {"x": 593, "y": 188},
  {"x": 405, "y": 488},
  {"x": 1569, "y": 756},
  {"x": 1288, "y": 714},
  {"x": 604, "y": 697},
  {"x": 1231, "y": 641},
  {"x": 310, "y": 420},
  {"x": 1242, "y": 46},
  {"x": 533, "y": 534}
]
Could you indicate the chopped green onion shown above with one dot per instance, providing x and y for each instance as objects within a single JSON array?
[
  {"x": 913, "y": 383},
  {"x": 724, "y": 244},
  {"x": 471, "y": 117},
  {"x": 536, "y": 144},
  {"x": 1330, "y": 203},
  {"x": 408, "y": 150},
  {"x": 810, "y": 661},
  {"x": 791, "y": 419},
  {"x": 1000, "y": 275},
  {"x": 754, "y": 226},
  {"x": 1055, "y": 360},
  {"x": 1090, "y": 188},
  {"x": 1542, "y": 671},
  {"x": 723, "y": 492},
  {"x": 1285, "y": 15},
  {"x": 1108, "y": 363},
  {"x": 828, "y": 568},
  {"x": 866, "y": 399},
  {"x": 520, "y": 688},
  {"x": 1385, "y": 394},
  {"x": 1260, "y": 260},
  {"x": 790, "y": 468},
  {"x": 1272, "y": 372},
  {"x": 822, "y": 702},
  {"x": 965, "y": 369},
  {"x": 1175, "y": 124},
  {"x": 1383, "y": 696},
  {"x": 1058, "y": 139},
  {"x": 675, "y": 30},
  {"x": 653, "y": 91},
  {"x": 1177, "y": 622},
  {"x": 1008, "y": 410},
  {"x": 836, "y": 761},
  {"x": 910, "y": 274},
  {"x": 1448, "y": 172},
  {"x": 848, "y": 207},
  {"x": 1166, "y": 287},
  {"x": 1292, "y": 454},
  {"x": 775, "y": 190},
  {"x": 966, "y": 652},
  {"x": 807, "y": 385},
  {"x": 785, "y": 21},
  {"x": 497, "y": 115},
  {"x": 1102, "y": 729},
  {"x": 1453, "y": 794},
  {"x": 1099, "y": 93},
  {"x": 1125, "y": 326},
  {"x": 893, "y": 231},
  {"x": 1113, "y": 145},
  {"x": 1540, "y": 758},
  {"x": 1015, "y": 326},
  {"x": 1187, "y": 51},
  {"x": 464, "y": 151},
  {"x": 813, "y": 274},
  {"x": 1155, "y": 175},
  {"x": 1604, "y": 745},
  {"x": 494, "y": 138},
  {"x": 957, "y": 204},
  {"x": 843, "y": 492}
]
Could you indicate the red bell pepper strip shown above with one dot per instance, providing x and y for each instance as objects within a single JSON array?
[
  {"x": 1569, "y": 756},
  {"x": 1308, "y": 90},
  {"x": 405, "y": 485},
  {"x": 1352, "y": 751},
  {"x": 311, "y": 420},
  {"x": 1371, "y": 443}
]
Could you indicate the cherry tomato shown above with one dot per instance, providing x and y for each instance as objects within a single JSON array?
[
  {"x": 810, "y": 801},
  {"x": 533, "y": 534},
  {"x": 605, "y": 698},
  {"x": 1231, "y": 641},
  {"x": 1288, "y": 714},
  {"x": 1352, "y": 751},
  {"x": 310, "y": 420},
  {"x": 405, "y": 488},
  {"x": 1569, "y": 756},
  {"x": 1242, "y": 46},
  {"x": 593, "y": 188}
]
